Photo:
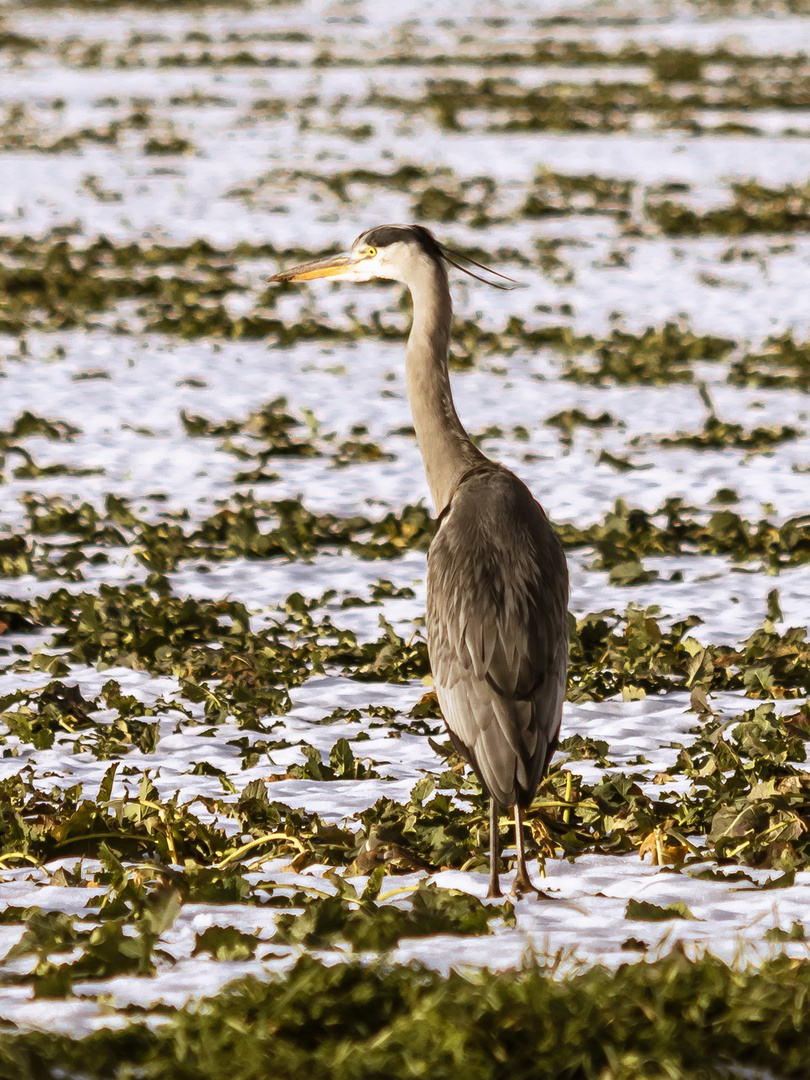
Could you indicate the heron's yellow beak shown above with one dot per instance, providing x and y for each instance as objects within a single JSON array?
[{"x": 333, "y": 266}]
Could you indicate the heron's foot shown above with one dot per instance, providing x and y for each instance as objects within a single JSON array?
[
  {"x": 494, "y": 891},
  {"x": 524, "y": 886}
]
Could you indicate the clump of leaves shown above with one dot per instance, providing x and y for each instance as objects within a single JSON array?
[
  {"x": 569, "y": 420},
  {"x": 343, "y": 765},
  {"x": 242, "y": 528},
  {"x": 430, "y": 831},
  {"x": 754, "y": 209},
  {"x": 16, "y": 556},
  {"x": 360, "y": 1020},
  {"x": 225, "y": 943},
  {"x": 28, "y": 425},
  {"x": 627, "y": 534},
  {"x": 582, "y": 748},
  {"x": 748, "y": 795},
  {"x": 635, "y": 655},
  {"x": 167, "y": 142},
  {"x": 613, "y": 815},
  {"x": 367, "y": 924},
  {"x": 781, "y": 362},
  {"x": 46, "y": 826},
  {"x": 55, "y": 284},
  {"x": 271, "y": 426},
  {"x": 677, "y": 65},
  {"x": 40, "y": 716},
  {"x": 139, "y": 824},
  {"x": 657, "y": 357},
  {"x": 720, "y": 434},
  {"x": 107, "y": 950},
  {"x": 554, "y": 194},
  {"x": 454, "y": 200},
  {"x": 358, "y": 449},
  {"x": 209, "y": 645},
  {"x": 647, "y": 912}
]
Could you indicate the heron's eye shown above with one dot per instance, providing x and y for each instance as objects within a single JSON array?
[{"x": 369, "y": 253}]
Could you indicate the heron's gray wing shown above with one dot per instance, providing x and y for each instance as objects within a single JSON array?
[{"x": 497, "y": 630}]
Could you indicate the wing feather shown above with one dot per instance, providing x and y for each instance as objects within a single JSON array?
[{"x": 497, "y": 630}]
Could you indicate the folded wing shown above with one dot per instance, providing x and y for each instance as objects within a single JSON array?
[{"x": 497, "y": 630}]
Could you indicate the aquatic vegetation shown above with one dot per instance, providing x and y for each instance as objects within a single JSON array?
[
  {"x": 754, "y": 209},
  {"x": 220, "y": 743}
]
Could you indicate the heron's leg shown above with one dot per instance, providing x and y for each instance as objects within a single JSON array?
[
  {"x": 523, "y": 883},
  {"x": 494, "y": 851}
]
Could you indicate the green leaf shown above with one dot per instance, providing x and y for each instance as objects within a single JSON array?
[
  {"x": 226, "y": 943},
  {"x": 646, "y": 912}
]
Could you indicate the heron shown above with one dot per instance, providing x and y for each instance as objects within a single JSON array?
[{"x": 497, "y": 581}]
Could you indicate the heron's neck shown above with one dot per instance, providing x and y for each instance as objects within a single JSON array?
[{"x": 446, "y": 448}]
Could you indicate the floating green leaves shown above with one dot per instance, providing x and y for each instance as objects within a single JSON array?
[
  {"x": 271, "y": 426},
  {"x": 28, "y": 425},
  {"x": 506, "y": 103},
  {"x": 247, "y": 527},
  {"x": 754, "y": 209},
  {"x": 646, "y": 912},
  {"x": 781, "y": 362},
  {"x": 343, "y": 765},
  {"x": 555, "y": 193},
  {"x": 359, "y": 1020},
  {"x": 225, "y": 943},
  {"x": 242, "y": 528},
  {"x": 719, "y": 434},
  {"x": 628, "y": 534},
  {"x": 40, "y": 716},
  {"x": 367, "y": 925},
  {"x": 658, "y": 356},
  {"x": 147, "y": 628}
]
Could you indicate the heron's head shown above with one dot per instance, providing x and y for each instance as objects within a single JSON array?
[{"x": 395, "y": 252}]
